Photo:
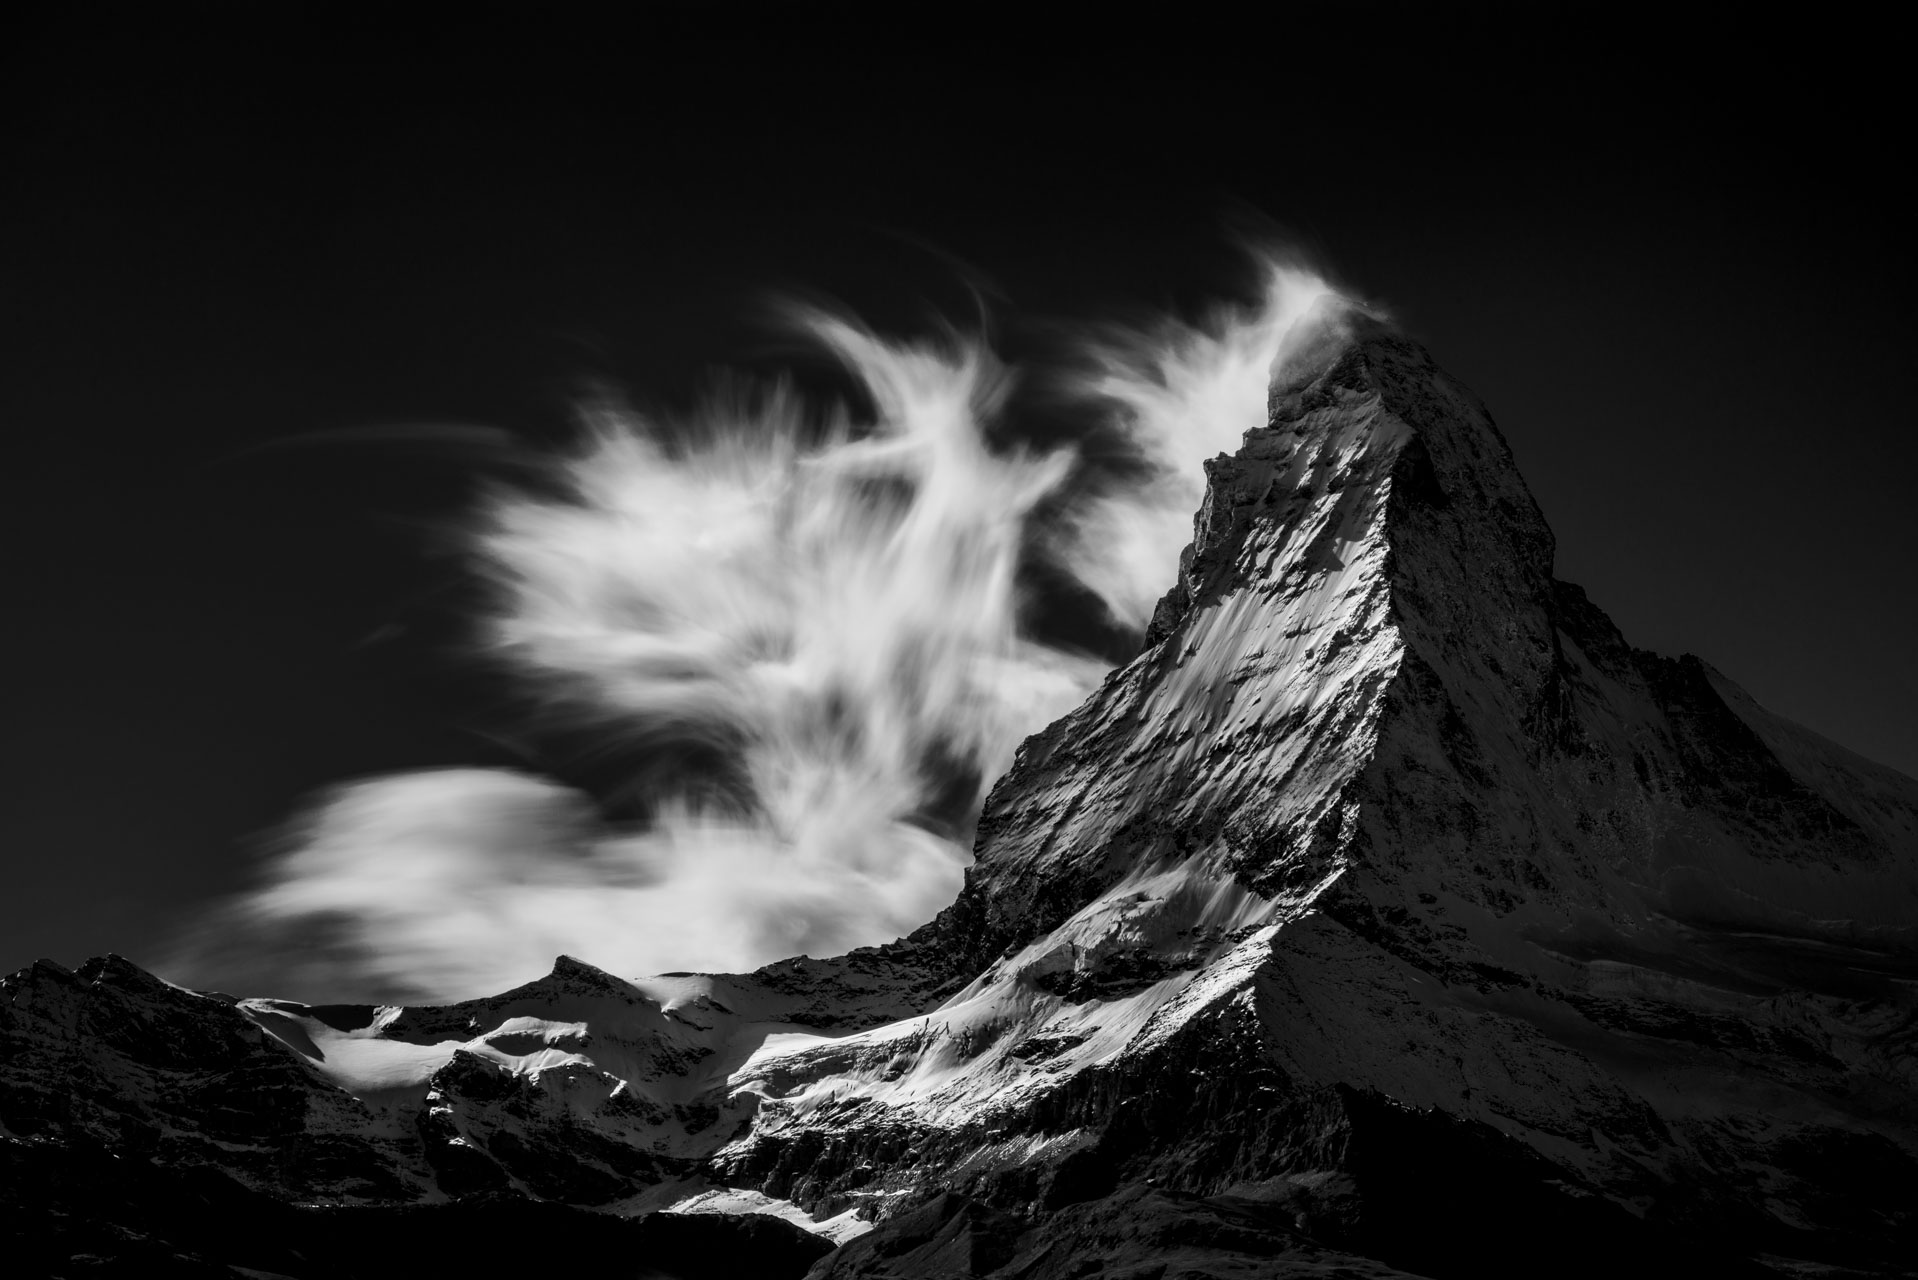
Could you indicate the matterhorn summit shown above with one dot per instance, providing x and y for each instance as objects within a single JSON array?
[{"x": 1387, "y": 914}]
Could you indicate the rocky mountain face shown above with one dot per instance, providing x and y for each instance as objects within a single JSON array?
[{"x": 1388, "y": 914}]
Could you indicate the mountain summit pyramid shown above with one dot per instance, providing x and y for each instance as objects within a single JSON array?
[{"x": 1387, "y": 914}]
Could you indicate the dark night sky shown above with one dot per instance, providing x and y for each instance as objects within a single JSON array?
[{"x": 1678, "y": 270}]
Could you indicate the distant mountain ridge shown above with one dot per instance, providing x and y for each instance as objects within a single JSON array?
[{"x": 1387, "y": 914}]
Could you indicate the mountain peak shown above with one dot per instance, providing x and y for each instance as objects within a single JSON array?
[
  {"x": 1370, "y": 548},
  {"x": 1364, "y": 417},
  {"x": 565, "y": 966},
  {"x": 1386, "y": 895}
]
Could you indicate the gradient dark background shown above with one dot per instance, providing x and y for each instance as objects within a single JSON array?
[{"x": 1676, "y": 264}]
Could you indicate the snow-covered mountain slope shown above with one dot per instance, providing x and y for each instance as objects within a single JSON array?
[
  {"x": 1383, "y": 807},
  {"x": 1388, "y": 906}
]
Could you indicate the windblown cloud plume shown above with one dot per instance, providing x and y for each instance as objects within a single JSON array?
[
  {"x": 1180, "y": 395},
  {"x": 824, "y": 614}
]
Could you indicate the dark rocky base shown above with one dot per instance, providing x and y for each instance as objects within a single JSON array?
[
  {"x": 73, "y": 1214},
  {"x": 1416, "y": 1194}
]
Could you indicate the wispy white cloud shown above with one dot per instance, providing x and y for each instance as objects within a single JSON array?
[
  {"x": 831, "y": 609},
  {"x": 1181, "y": 394}
]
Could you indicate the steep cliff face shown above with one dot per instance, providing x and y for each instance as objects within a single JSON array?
[{"x": 1389, "y": 911}]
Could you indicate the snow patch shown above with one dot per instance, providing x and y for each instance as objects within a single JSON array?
[{"x": 733, "y": 1201}]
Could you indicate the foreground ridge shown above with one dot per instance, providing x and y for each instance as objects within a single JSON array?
[{"x": 1387, "y": 914}]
